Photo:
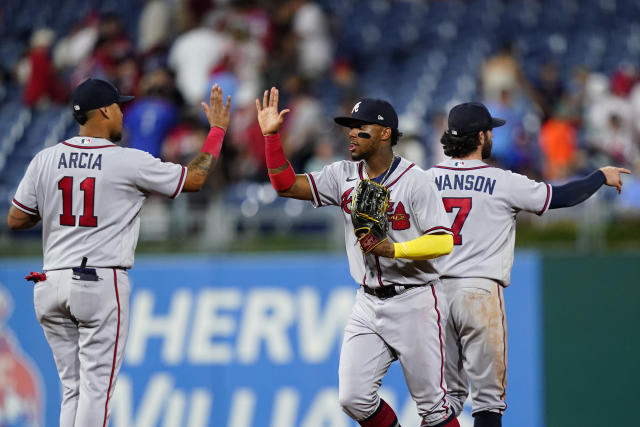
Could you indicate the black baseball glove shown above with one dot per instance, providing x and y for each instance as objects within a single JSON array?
[{"x": 369, "y": 214}]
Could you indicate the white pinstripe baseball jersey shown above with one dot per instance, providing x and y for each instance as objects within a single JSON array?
[
  {"x": 89, "y": 193},
  {"x": 415, "y": 209},
  {"x": 482, "y": 203}
]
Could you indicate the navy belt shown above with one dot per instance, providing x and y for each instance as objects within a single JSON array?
[{"x": 388, "y": 291}]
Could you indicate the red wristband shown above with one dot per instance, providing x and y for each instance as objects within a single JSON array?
[
  {"x": 273, "y": 151},
  {"x": 213, "y": 143},
  {"x": 282, "y": 181}
]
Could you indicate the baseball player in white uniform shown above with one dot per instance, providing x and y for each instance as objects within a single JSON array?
[
  {"x": 399, "y": 310},
  {"x": 88, "y": 192},
  {"x": 482, "y": 203}
]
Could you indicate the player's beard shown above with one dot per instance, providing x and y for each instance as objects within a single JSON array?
[{"x": 486, "y": 148}]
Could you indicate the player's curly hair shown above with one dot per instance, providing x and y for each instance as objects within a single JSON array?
[
  {"x": 395, "y": 136},
  {"x": 459, "y": 145}
]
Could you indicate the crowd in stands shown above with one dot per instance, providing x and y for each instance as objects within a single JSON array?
[{"x": 557, "y": 125}]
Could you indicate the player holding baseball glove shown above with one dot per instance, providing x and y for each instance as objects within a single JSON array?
[{"x": 398, "y": 310}]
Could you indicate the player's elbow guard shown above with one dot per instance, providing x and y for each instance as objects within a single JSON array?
[{"x": 424, "y": 247}]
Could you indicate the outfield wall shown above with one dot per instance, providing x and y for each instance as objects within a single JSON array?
[
  {"x": 592, "y": 339},
  {"x": 243, "y": 341}
]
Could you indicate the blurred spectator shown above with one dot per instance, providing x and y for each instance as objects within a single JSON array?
[
  {"x": 193, "y": 55},
  {"x": 617, "y": 141},
  {"x": 184, "y": 140},
  {"x": 609, "y": 122},
  {"x": 623, "y": 79},
  {"x": 323, "y": 154},
  {"x": 113, "y": 47},
  {"x": 77, "y": 46},
  {"x": 437, "y": 125},
  {"x": 246, "y": 159},
  {"x": 549, "y": 89},
  {"x": 42, "y": 84},
  {"x": 150, "y": 117},
  {"x": 577, "y": 99},
  {"x": 511, "y": 150},
  {"x": 258, "y": 21},
  {"x": 501, "y": 72},
  {"x": 245, "y": 56},
  {"x": 558, "y": 142},
  {"x": 634, "y": 100},
  {"x": 154, "y": 26},
  {"x": 305, "y": 123},
  {"x": 314, "y": 44},
  {"x": 410, "y": 144}
]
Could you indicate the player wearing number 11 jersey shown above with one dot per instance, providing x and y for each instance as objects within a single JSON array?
[
  {"x": 88, "y": 192},
  {"x": 482, "y": 202}
]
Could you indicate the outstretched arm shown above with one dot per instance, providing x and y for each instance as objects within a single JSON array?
[
  {"x": 281, "y": 174},
  {"x": 579, "y": 190},
  {"x": 218, "y": 117}
]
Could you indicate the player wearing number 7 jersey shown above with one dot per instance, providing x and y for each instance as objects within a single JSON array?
[
  {"x": 482, "y": 203},
  {"x": 88, "y": 192}
]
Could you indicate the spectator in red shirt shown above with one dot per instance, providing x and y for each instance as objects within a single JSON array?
[{"x": 42, "y": 83}]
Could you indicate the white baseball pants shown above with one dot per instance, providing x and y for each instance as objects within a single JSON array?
[
  {"x": 476, "y": 344},
  {"x": 86, "y": 325},
  {"x": 408, "y": 327}
]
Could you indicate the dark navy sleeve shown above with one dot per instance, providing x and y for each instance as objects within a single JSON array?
[{"x": 577, "y": 191}]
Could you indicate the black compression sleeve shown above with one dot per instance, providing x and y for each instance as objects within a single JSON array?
[{"x": 577, "y": 191}]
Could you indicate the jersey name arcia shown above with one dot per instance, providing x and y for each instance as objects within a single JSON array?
[{"x": 80, "y": 161}]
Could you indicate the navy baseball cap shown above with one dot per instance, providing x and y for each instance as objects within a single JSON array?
[
  {"x": 470, "y": 118},
  {"x": 96, "y": 93},
  {"x": 370, "y": 111}
]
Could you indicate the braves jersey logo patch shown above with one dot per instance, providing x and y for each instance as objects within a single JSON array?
[
  {"x": 345, "y": 200},
  {"x": 399, "y": 218}
]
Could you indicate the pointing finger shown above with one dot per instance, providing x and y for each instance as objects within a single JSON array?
[
  {"x": 265, "y": 99},
  {"x": 258, "y": 105},
  {"x": 623, "y": 170}
]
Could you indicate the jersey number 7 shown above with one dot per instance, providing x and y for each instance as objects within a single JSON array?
[
  {"x": 463, "y": 204},
  {"x": 88, "y": 186}
]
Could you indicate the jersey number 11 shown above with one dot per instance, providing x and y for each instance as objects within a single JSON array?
[{"x": 88, "y": 219}]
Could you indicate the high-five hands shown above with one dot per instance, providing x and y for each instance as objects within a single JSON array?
[
  {"x": 269, "y": 118},
  {"x": 217, "y": 113}
]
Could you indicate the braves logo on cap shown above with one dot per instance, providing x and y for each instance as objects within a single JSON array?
[
  {"x": 21, "y": 392},
  {"x": 372, "y": 111}
]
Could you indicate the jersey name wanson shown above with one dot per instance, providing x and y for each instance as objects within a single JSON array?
[
  {"x": 80, "y": 161},
  {"x": 469, "y": 182}
]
